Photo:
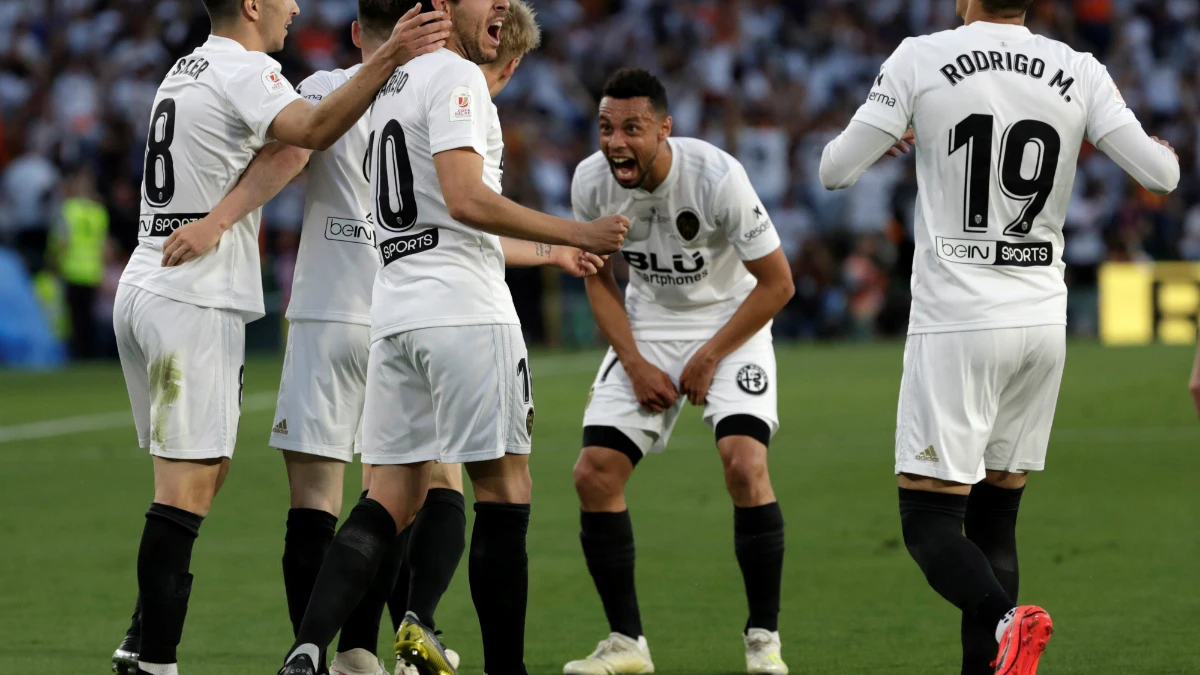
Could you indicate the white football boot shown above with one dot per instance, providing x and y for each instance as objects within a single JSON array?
[
  {"x": 615, "y": 655},
  {"x": 403, "y": 668},
  {"x": 762, "y": 653},
  {"x": 357, "y": 662}
]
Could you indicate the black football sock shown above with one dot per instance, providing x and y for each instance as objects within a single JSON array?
[
  {"x": 135, "y": 621},
  {"x": 309, "y": 534},
  {"x": 349, "y": 570},
  {"x": 932, "y": 523},
  {"x": 164, "y": 583},
  {"x": 608, "y": 547},
  {"x": 439, "y": 536},
  {"x": 991, "y": 523},
  {"x": 361, "y": 630},
  {"x": 499, "y": 572},
  {"x": 397, "y": 603},
  {"x": 758, "y": 542}
]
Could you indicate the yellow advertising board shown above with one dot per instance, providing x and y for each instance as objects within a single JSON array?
[{"x": 1142, "y": 303}]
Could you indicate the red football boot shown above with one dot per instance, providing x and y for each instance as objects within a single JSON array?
[{"x": 1024, "y": 641}]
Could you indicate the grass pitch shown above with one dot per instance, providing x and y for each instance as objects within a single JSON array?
[{"x": 1109, "y": 534}]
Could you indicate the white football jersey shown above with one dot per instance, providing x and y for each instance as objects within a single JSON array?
[
  {"x": 436, "y": 271},
  {"x": 686, "y": 240},
  {"x": 999, "y": 115},
  {"x": 337, "y": 262},
  {"x": 211, "y": 116}
]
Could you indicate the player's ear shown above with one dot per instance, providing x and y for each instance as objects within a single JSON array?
[
  {"x": 252, "y": 9},
  {"x": 664, "y": 131},
  {"x": 510, "y": 68},
  {"x": 356, "y": 34}
]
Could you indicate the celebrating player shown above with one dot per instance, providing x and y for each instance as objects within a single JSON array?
[
  {"x": 707, "y": 275},
  {"x": 448, "y": 376},
  {"x": 181, "y": 327},
  {"x": 998, "y": 115}
]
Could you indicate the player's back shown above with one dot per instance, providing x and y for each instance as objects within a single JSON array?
[
  {"x": 999, "y": 115},
  {"x": 210, "y": 117},
  {"x": 436, "y": 271},
  {"x": 337, "y": 261}
]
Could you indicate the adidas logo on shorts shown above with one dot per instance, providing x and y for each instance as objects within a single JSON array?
[
  {"x": 280, "y": 428},
  {"x": 926, "y": 455}
]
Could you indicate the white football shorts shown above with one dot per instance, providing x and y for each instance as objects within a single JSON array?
[
  {"x": 456, "y": 394},
  {"x": 322, "y": 389},
  {"x": 183, "y": 368},
  {"x": 744, "y": 384},
  {"x": 978, "y": 399}
]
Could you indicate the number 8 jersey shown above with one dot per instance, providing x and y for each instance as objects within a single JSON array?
[
  {"x": 999, "y": 115},
  {"x": 436, "y": 271},
  {"x": 210, "y": 118}
]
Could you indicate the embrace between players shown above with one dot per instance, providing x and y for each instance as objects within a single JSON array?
[{"x": 405, "y": 347}]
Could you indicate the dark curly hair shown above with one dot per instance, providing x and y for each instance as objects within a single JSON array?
[{"x": 636, "y": 83}]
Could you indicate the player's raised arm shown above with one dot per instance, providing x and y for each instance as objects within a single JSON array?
[
  {"x": 470, "y": 201},
  {"x": 319, "y": 126}
]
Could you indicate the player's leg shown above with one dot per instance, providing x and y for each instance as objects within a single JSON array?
[
  {"x": 741, "y": 407},
  {"x": 191, "y": 392},
  {"x": 1017, "y": 445},
  {"x": 442, "y": 521},
  {"x": 396, "y": 492},
  {"x": 949, "y": 396},
  {"x": 617, "y": 434}
]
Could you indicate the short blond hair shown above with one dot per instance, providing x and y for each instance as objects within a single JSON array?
[{"x": 520, "y": 33}]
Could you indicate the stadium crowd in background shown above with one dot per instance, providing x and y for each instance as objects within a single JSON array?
[{"x": 771, "y": 81}]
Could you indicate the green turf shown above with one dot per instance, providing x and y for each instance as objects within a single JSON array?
[{"x": 1109, "y": 533}]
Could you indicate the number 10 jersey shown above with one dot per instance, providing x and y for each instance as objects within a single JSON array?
[
  {"x": 436, "y": 271},
  {"x": 999, "y": 115}
]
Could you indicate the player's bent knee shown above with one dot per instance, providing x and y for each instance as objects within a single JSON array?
[
  {"x": 744, "y": 425},
  {"x": 505, "y": 480},
  {"x": 188, "y": 485}
]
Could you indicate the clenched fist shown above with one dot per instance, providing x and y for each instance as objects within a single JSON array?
[{"x": 603, "y": 236}]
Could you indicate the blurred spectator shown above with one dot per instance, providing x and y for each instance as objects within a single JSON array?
[
  {"x": 769, "y": 80},
  {"x": 77, "y": 246}
]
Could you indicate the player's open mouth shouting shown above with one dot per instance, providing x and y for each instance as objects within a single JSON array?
[{"x": 493, "y": 31}]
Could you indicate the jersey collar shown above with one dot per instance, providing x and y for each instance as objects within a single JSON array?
[
  {"x": 1008, "y": 30},
  {"x": 216, "y": 43},
  {"x": 672, "y": 174}
]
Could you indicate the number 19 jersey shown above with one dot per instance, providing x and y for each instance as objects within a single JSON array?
[
  {"x": 211, "y": 115},
  {"x": 436, "y": 271},
  {"x": 999, "y": 115}
]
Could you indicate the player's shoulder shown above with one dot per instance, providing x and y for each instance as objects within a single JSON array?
[
  {"x": 591, "y": 175},
  {"x": 444, "y": 68},
  {"x": 318, "y": 85},
  {"x": 703, "y": 162}
]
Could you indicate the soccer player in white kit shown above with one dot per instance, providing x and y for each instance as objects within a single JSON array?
[
  {"x": 998, "y": 115},
  {"x": 448, "y": 376},
  {"x": 707, "y": 275},
  {"x": 181, "y": 308}
]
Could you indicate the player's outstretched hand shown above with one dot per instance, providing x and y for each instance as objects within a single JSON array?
[
  {"x": 576, "y": 262},
  {"x": 191, "y": 241},
  {"x": 654, "y": 389},
  {"x": 1166, "y": 145},
  {"x": 416, "y": 34},
  {"x": 904, "y": 145},
  {"x": 697, "y": 377},
  {"x": 603, "y": 236}
]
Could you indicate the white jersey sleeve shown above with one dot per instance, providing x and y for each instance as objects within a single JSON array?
[
  {"x": 460, "y": 114},
  {"x": 1107, "y": 111},
  {"x": 317, "y": 86},
  {"x": 890, "y": 104},
  {"x": 258, "y": 92},
  {"x": 583, "y": 202},
  {"x": 741, "y": 216}
]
